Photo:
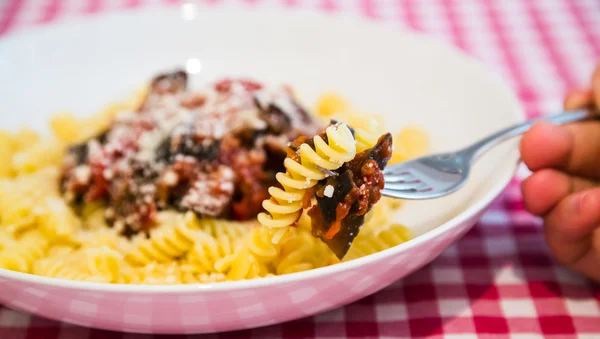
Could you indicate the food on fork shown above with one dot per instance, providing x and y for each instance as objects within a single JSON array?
[
  {"x": 344, "y": 199},
  {"x": 345, "y": 185},
  {"x": 166, "y": 188}
]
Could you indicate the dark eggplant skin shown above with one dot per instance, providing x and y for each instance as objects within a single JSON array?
[
  {"x": 346, "y": 184},
  {"x": 173, "y": 82}
]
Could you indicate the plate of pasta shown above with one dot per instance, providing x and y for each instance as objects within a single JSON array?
[{"x": 175, "y": 178}]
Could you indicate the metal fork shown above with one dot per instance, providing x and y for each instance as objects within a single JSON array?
[{"x": 438, "y": 175}]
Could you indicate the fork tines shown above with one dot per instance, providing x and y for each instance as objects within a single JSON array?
[{"x": 402, "y": 181}]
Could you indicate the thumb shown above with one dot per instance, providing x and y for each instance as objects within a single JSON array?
[{"x": 570, "y": 230}]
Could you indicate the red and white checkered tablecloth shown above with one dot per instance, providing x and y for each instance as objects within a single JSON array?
[{"x": 499, "y": 281}]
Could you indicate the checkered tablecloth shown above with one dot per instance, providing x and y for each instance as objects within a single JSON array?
[{"x": 497, "y": 282}]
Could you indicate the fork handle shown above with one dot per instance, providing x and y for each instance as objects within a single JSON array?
[{"x": 476, "y": 150}]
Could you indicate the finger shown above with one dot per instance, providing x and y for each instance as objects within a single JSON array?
[
  {"x": 596, "y": 86},
  {"x": 544, "y": 189},
  {"x": 579, "y": 99},
  {"x": 569, "y": 230},
  {"x": 573, "y": 148}
]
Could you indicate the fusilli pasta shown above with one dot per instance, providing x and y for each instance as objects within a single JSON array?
[
  {"x": 44, "y": 153},
  {"x": 21, "y": 255},
  {"x": 171, "y": 239},
  {"x": 369, "y": 243},
  {"x": 21, "y": 198},
  {"x": 252, "y": 258},
  {"x": 213, "y": 240},
  {"x": 368, "y": 126},
  {"x": 97, "y": 264},
  {"x": 41, "y": 233},
  {"x": 300, "y": 251},
  {"x": 56, "y": 220},
  {"x": 285, "y": 205}
]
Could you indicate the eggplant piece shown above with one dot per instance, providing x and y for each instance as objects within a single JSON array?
[
  {"x": 325, "y": 214},
  {"x": 355, "y": 190},
  {"x": 79, "y": 152},
  {"x": 381, "y": 153},
  {"x": 286, "y": 116},
  {"x": 164, "y": 84},
  {"x": 187, "y": 144},
  {"x": 169, "y": 83},
  {"x": 277, "y": 120}
]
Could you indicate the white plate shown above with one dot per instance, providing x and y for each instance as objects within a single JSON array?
[{"x": 82, "y": 65}]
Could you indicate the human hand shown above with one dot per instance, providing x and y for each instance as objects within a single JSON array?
[{"x": 564, "y": 187}]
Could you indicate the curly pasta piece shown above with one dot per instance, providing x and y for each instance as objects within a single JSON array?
[
  {"x": 103, "y": 262},
  {"x": 367, "y": 136},
  {"x": 333, "y": 105},
  {"x": 107, "y": 237},
  {"x": 56, "y": 220},
  {"x": 21, "y": 198},
  {"x": 300, "y": 251},
  {"x": 24, "y": 139},
  {"x": 229, "y": 234},
  {"x": 16, "y": 211},
  {"x": 42, "y": 154},
  {"x": 214, "y": 240},
  {"x": 379, "y": 218},
  {"x": 241, "y": 265},
  {"x": 171, "y": 239},
  {"x": 285, "y": 205},
  {"x": 205, "y": 252},
  {"x": 64, "y": 263},
  {"x": 252, "y": 259},
  {"x": 21, "y": 255},
  {"x": 261, "y": 246},
  {"x": 53, "y": 267},
  {"x": 366, "y": 244}
]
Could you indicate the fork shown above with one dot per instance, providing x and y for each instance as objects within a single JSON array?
[{"x": 437, "y": 175}]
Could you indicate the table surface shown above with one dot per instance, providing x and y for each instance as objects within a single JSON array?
[{"x": 499, "y": 281}]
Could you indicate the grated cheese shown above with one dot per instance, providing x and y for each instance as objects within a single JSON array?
[{"x": 328, "y": 191}]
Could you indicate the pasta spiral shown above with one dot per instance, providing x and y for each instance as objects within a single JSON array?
[
  {"x": 251, "y": 259},
  {"x": 205, "y": 252},
  {"x": 103, "y": 262},
  {"x": 20, "y": 256},
  {"x": 214, "y": 239},
  {"x": 335, "y": 106},
  {"x": 42, "y": 154},
  {"x": 60, "y": 267},
  {"x": 22, "y": 199},
  {"x": 285, "y": 205},
  {"x": 171, "y": 239},
  {"x": 300, "y": 251},
  {"x": 370, "y": 243},
  {"x": 367, "y": 136},
  {"x": 56, "y": 220},
  {"x": 241, "y": 265},
  {"x": 43, "y": 234}
]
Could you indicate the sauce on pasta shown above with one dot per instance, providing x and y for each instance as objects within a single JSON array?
[{"x": 214, "y": 151}]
